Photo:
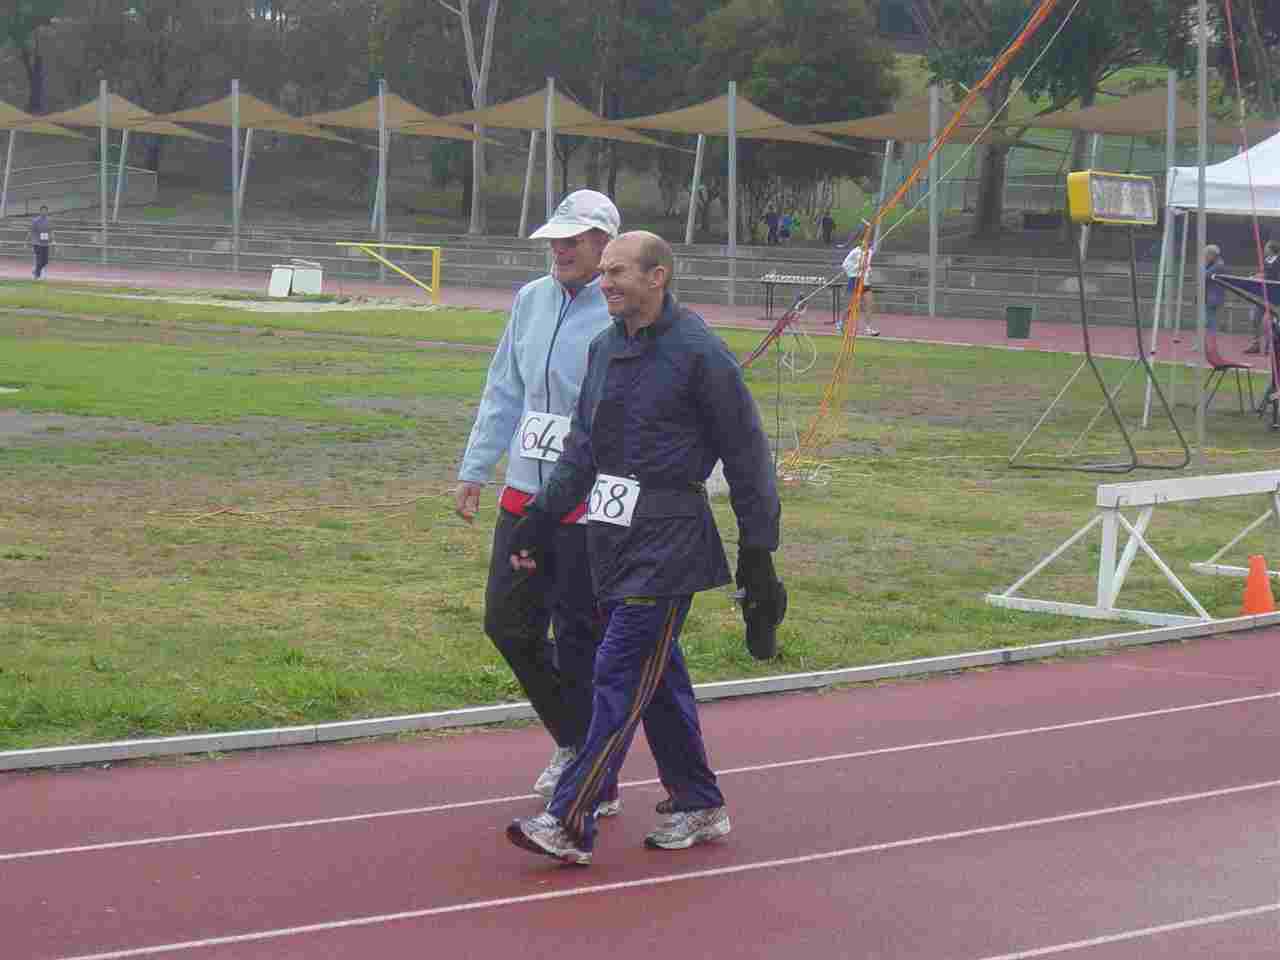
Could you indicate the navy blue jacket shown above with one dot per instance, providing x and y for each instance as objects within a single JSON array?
[{"x": 663, "y": 407}]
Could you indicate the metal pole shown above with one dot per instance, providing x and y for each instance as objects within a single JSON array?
[
  {"x": 528, "y": 185},
  {"x": 383, "y": 144},
  {"x": 124, "y": 152},
  {"x": 103, "y": 119},
  {"x": 549, "y": 131},
  {"x": 8, "y": 168},
  {"x": 934, "y": 109},
  {"x": 1202, "y": 124},
  {"x": 884, "y": 186},
  {"x": 1166, "y": 237},
  {"x": 235, "y": 175},
  {"x": 693, "y": 189},
  {"x": 733, "y": 191}
]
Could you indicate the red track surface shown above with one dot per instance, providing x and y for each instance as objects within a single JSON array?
[
  {"x": 1120, "y": 806},
  {"x": 1108, "y": 340}
]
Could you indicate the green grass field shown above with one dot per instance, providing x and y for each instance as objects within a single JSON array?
[{"x": 214, "y": 519}]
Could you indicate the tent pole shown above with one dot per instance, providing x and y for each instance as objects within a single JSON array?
[
  {"x": 1202, "y": 124},
  {"x": 124, "y": 152},
  {"x": 235, "y": 175},
  {"x": 8, "y": 168},
  {"x": 934, "y": 109},
  {"x": 733, "y": 191},
  {"x": 103, "y": 109},
  {"x": 548, "y": 131},
  {"x": 884, "y": 186},
  {"x": 383, "y": 144},
  {"x": 693, "y": 188},
  {"x": 1166, "y": 237},
  {"x": 528, "y": 185}
]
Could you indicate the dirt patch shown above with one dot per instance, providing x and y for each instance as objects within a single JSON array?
[{"x": 59, "y": 428}]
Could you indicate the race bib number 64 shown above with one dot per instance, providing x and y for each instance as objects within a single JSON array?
[
  {"x": 542, "y": 436},
  {"x": 613, "y": 500}
]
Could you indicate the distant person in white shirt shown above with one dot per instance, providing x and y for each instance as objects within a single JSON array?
[
  {"x": 41, "y": 241},
  {"x": 853, "y": 266}
]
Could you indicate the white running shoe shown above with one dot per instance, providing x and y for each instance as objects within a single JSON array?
[
  {"x": 545, "y": 785},
  {"x": 545, "y": 834},
  {"x": 685, "y": 828}
]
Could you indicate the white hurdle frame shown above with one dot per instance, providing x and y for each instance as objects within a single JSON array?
[{"x": 1145, "y": 496}]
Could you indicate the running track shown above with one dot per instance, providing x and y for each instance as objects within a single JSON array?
[{"x": 1116, "y": 806}]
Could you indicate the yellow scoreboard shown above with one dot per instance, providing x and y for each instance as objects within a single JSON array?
[{"x": 1095, "y": 196}]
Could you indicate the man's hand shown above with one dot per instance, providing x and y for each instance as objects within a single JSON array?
[
  {"x": 530, "y": 538},
  {"x": 467, "y": 500}
]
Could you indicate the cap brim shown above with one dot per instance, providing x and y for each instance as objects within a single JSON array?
[{"x": 562, "y": 230}]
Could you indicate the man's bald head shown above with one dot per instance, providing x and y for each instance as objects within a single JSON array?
[
  {"x": 647, "y": 250},
  {"x": 635, "y": 270}
]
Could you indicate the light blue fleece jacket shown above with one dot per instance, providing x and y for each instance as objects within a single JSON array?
[{"x": 538, "y": 366}]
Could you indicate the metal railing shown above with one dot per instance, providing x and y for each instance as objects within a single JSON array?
[{"x": 64, "y": 187}]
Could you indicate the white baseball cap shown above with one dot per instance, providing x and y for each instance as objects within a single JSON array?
[{"x": 579, "y": 212}]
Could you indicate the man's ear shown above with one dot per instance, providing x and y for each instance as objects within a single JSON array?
[{"x": 660, "y": 276}]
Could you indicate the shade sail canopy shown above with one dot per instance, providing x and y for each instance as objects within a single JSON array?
[
  {"x": 1145, "y": 114},
  {"x": 11, "y": 118},
  {"x": 402, "y": 117},
  {"x": 1245, "y": 183},
  {"x": 530, "y": 113},
  {"x": 255, "y": 115},
  {"x": 907, "y": 124},
  {"x": 122, "y": 115},
  {"x": 711, "y": 118}
]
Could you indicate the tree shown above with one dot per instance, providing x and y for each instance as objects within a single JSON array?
[
  {"x": 806, "y": 61},
  {"x": 1257, "y": 29},
  {"x": 22, "y": 22},
  {"x": 967, "y": 35},
  {"x": 478, "y": 68}
]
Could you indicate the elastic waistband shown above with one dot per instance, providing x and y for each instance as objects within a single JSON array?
[{"x": 515, "y": 501}]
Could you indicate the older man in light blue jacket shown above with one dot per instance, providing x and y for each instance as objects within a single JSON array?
[{"x": 529, "y": 397}]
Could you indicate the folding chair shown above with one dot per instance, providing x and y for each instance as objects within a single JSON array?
[{"x": 1219, "y": 368}]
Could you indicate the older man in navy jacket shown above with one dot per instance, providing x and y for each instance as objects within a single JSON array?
[{"x": 662, "y": 401}]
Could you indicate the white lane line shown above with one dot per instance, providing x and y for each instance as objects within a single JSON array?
[
  {"x": 755, "y": 768},
  {"x": 474, "y": 905},
  {"x": 1139, "y": 933}
]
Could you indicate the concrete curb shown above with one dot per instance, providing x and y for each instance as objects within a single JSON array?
[{"x": 499, "y": 713}]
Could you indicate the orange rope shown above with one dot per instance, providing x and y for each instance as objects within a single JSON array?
[{"x": 832, "y": 399}]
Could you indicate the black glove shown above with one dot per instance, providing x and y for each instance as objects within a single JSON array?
[
  {"x": 764, "y": 601},
  {"x": 523, "y": 606},
  {"x": 531, "y": 536}
]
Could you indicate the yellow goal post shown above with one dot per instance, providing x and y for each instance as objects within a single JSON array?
[{"x": 372, "y": 247}]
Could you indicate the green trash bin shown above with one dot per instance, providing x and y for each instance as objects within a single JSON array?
[{"x": 1017, "y": 322}]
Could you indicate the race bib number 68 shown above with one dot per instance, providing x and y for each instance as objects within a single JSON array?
[{"x": 613, "y": 500}]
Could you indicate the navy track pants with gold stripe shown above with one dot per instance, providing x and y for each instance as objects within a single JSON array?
[{"x": 640, "y": 675}]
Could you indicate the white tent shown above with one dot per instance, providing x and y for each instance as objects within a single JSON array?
[{"x": 1227, "y": 188}]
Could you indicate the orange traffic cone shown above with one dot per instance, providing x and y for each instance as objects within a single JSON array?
[{"x": 1257, "y": 589}]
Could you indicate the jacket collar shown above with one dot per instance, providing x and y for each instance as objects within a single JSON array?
[{"x": 670, "y": 313}]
